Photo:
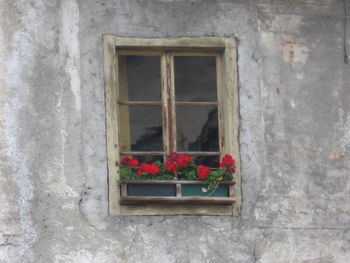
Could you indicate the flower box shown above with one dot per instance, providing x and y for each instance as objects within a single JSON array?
[
  {"x": 175, "y": 192},
  {"x": 177, "y": 180}
]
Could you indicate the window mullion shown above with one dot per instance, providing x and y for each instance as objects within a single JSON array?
[
  {"x": 172, "y": 112},
  {"x": 164, "y": 104},
  {"x": 221, "y": 105},
  {"x": 169, "y": 128}
]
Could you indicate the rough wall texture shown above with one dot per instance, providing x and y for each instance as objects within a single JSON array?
[{"x": 295, "y": 133}]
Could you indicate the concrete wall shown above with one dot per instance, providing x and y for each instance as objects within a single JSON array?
[{"x": 294, "y": 135}]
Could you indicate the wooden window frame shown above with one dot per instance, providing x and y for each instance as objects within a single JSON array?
[{"x": 225, "y": 51}]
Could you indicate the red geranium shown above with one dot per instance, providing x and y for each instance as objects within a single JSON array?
[
  {"x": 134, "y": 163},
  {"x": 127, "y": 161},
  {"x": 170, "y": 166},
  {"x": 152, "y": 169},
  {"x": 142, "y": 169},
  {"x": 203, "y": 172},
  {"x": 183, "y": 160},
  {"x": 175, "y": 161},
  {"x": 228, "y": 163},
  {"x": 173, "y": 157}
]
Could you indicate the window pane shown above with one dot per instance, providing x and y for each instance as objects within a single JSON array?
[
  {"x": 141, "y": 128},
  {"x": 146, "y": 159},
  {"x": 211, "y": 161},
  {"x": 197, "y": 128},
  {"x": 139, "y": 78},
  {"x": 195, "y": 78}
]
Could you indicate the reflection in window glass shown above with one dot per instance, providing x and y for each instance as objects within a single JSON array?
[
  {"x": 141, "y": 128},
  {"x": 197, "y": 128},
  {"x": 142, "y": 81},
  {"x": 211, "y": 161},
  {"x": 146, "y": 159},
  {"x": 195, "y": 78}
]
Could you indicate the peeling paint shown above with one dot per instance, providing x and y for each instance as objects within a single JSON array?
[
  {"x": 21, "y": 50},
  {"x": 343, "y": 145},
  {"x": 69, "y": 43},
  {"x": 294, "y": 52}
]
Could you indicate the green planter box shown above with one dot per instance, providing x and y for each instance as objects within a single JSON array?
[
  {"x": 202, "y": 190},
  {"x": 174, "y": 192},
  {"x": 151, "y": 190}
]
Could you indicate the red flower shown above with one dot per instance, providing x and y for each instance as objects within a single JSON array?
[
  {"x": 228, "y": 163},
  {"x": 125, "y": 161},
  {"x": 134, "y": 162},
  {"x": 227, "y": 160},
  {"x": 175, "y": 161},
  {"x": 203, "y": 172},
  {"x": 152, "y": 169},
  {"x": 183, "y": 160},
  {"x": 143, "y": 168},
  {"x": 170, "y": 166},
  {"x": 173, "y": 157}
]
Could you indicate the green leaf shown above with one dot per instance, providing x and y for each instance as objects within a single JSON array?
[
  {"x": 192, "y": 165},
  {"x": 217, "y": 173},
  {"x": 191, "y": 174}
]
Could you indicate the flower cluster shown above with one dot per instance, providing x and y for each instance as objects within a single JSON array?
[
  {"x": 228, "y": 164},
  {"x": 126, "y": 161},
  {"x": 131, "y": 169},
  {"x": 175, "y": 161},
  {"x": 149, "y": 168},
  {"x": 178, "y": 165},
  {"x": 203, "y": 172}
]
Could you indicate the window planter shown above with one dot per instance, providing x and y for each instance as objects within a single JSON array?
[{"x": 175, "y": 192}]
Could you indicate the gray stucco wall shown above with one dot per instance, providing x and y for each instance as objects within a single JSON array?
[{"x": 294, "y": 134}]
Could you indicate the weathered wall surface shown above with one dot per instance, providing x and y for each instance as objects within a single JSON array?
[{"x": 295, "y": 133}]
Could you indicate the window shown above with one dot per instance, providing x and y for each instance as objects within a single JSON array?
[{"x": 167, "y": 95}]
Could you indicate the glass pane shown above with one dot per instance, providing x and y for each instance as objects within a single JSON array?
[
  {"x": 141, "y": 128},
  {"x": 195, "y": 78},
  {"x": 145, "y": 159},
  {"x": 211, "y": 161},
  {"x": 139, "y": 78},
  {"x": 197, "y": 128}
]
